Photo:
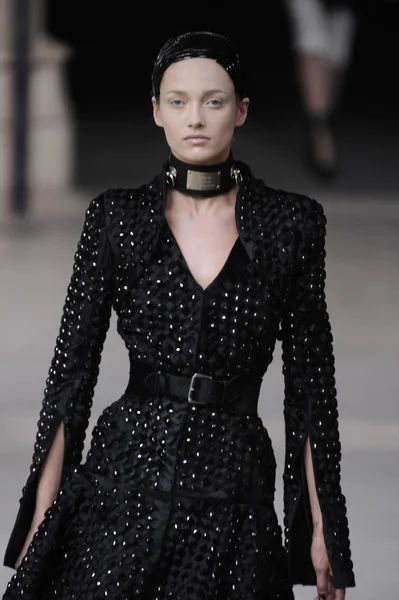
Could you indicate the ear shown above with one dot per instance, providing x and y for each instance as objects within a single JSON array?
[
  {"x": 156, "y": 112},
  {"x": 242, "y": 111}
]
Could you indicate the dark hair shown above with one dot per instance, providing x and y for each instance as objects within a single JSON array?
[{"x": 200, "y": 44}]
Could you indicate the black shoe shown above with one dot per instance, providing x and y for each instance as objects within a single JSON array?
[{"x": 321, "y": 153}]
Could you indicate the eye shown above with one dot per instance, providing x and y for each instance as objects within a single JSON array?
[
  {"x": 215, "y": 102},
  {"x": 176, "y": 102}
]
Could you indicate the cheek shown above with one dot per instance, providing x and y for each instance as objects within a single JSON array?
[
  {"x": 226, "y": 123},
  {"x": 170, "y": 123},
  {"x": 173, "y": 117}
]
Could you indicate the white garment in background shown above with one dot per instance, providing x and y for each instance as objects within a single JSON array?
[{"x": 322, "y": 31}]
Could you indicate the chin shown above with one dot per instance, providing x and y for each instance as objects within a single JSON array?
[{"x": 202, "y": 155}]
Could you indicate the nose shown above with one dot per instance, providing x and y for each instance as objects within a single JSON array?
[{"x": 196, "y": 117}]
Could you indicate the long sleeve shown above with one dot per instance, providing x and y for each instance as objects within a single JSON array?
[
  {"x": 310, "y": 410},
  {"x": 75, "y": 365}
]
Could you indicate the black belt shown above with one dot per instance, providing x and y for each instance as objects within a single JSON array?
[{"x": 241, "y": 390}]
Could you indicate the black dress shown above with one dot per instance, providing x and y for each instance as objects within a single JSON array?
[{"x": 175, "y": 500}]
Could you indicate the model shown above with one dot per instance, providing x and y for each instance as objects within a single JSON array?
[
  {"x": 205, "y": 268},
  {"x": 323, "y": 35}
]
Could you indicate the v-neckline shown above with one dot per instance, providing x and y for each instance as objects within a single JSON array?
[{"x": 218, "y": 275}]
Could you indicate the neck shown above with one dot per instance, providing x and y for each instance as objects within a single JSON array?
[{"x": 179, "y": 203}]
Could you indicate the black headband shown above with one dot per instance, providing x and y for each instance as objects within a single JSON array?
[{"x": 200, "y": 44}]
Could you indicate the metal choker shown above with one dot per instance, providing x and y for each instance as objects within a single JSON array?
[{"x": 202, "y": 181}]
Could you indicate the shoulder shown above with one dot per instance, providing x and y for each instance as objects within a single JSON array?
[
  {"x": 288, "y": 202},
  {"x": 292, "y": 210},
  {"x": 112, "y": 203},
  {"x": 308, "y": 212},
  {"x": 303, "y": 217},
  {"x": 132, "y": 197},
  {"x": 301, "y": 222}
]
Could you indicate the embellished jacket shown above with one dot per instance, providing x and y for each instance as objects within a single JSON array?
[{"x": 283, "y": 235}]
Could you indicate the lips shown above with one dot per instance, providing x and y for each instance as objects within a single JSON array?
[{"x": 196, "y": 137}]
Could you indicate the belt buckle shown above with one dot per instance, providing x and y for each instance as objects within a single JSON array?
[{"x": 191, "y": 388}]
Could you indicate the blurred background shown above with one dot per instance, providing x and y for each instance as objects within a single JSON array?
[{"x": 323, "y": 121}]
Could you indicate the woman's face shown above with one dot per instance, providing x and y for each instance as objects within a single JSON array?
[{"x": 198, "y": 110}]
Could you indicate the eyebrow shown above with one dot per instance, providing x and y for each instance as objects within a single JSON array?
[{"x": 207, "y": 93}]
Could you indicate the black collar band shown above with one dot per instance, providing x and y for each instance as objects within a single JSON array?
[{"x": 201, "y": 181}]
